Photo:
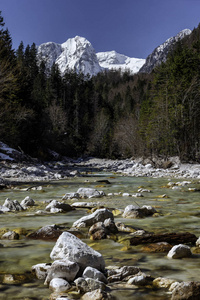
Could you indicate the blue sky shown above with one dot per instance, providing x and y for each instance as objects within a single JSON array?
[{"x": 131, "y": 27}]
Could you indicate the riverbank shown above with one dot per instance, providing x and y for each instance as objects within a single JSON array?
[
  {"x": 16, "y": 172},
  {"x": 16, "y": 167}
]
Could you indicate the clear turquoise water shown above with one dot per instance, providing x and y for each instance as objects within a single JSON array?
[{"x": 179, "y": 212}]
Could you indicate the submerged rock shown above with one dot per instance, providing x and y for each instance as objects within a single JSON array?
[
  {"x": 49, "y": 232},
  {"x": 162, "y": 282},
  {"x": 124, "y": 228},
  {"x": 171, "y": 238},
  {"x": 157, "y": 247}
]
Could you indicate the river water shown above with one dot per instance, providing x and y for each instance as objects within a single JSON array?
[{"x": 178, "y": 212}]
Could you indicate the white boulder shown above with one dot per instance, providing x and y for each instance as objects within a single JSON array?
[
  {"x": 72, "y": 248},
  {"x": 40, "y": 270},
  {"x": 133, "y": 211},
  {"x": 27, "y": 202},
  {"x": 88, "y": 284},
  {"x": 56, "y": 206},
  {"x": 62, "y": 269},
  {"x": 13, "y": 205},
  {"x": 100, "y": 215},
  {"x": 179, "y": 251},
  {"x": 59, "y": 285},
  {"x": 90, "y": 272},
  {"x": 198, "y": 242},
  {"x": 90, "y": 193}
]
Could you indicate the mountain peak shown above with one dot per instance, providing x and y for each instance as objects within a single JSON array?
[
  {"x": 114, "y": 61},
  {"x": 161, "y": 52},
  {"x": 78, "y": 54}
]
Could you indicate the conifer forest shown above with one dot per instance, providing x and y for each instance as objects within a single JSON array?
[{"x": 110, "y": 115}]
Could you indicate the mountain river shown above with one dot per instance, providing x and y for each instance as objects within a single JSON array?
[{"x": 177, "y": 212}]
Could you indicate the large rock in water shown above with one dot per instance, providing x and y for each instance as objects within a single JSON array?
[
  {"x": 179, "y": 251},
  {"x": 100, "y": 215},
  {"x": 13, "y": 205},
  {"x": 70, "y": 247},
  {"x": 132, "y": 211},
  {"x": 90, "y": 193},
  {"x": 46, "y": 233},
  {"x": 62, "y": 269}
]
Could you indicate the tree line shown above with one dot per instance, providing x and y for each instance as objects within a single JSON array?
[{"x": 112, "y": 114}]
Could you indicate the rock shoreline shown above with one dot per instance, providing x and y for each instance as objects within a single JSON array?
[{"x": 14, "y": 172}]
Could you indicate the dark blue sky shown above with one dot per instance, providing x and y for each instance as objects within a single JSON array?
[{"x": 131, "y": 27}]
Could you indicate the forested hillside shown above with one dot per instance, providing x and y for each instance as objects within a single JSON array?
[{"x": 112, "y": 114}]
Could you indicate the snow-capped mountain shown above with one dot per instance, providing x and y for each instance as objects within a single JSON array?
[
  {"x": 114, "y": 61},
  {"x": 79, "y": 55},
  {"x": 160, "y": 53},
  {"x": 76, "y": 54}
]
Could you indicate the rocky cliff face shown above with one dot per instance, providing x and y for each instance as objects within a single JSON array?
[
  {"x": 160, "y": 53},
  {"x": 112, "y": 60},
  {"x": 76, "y": 54},
  {"x": 79, "y": 55}
]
